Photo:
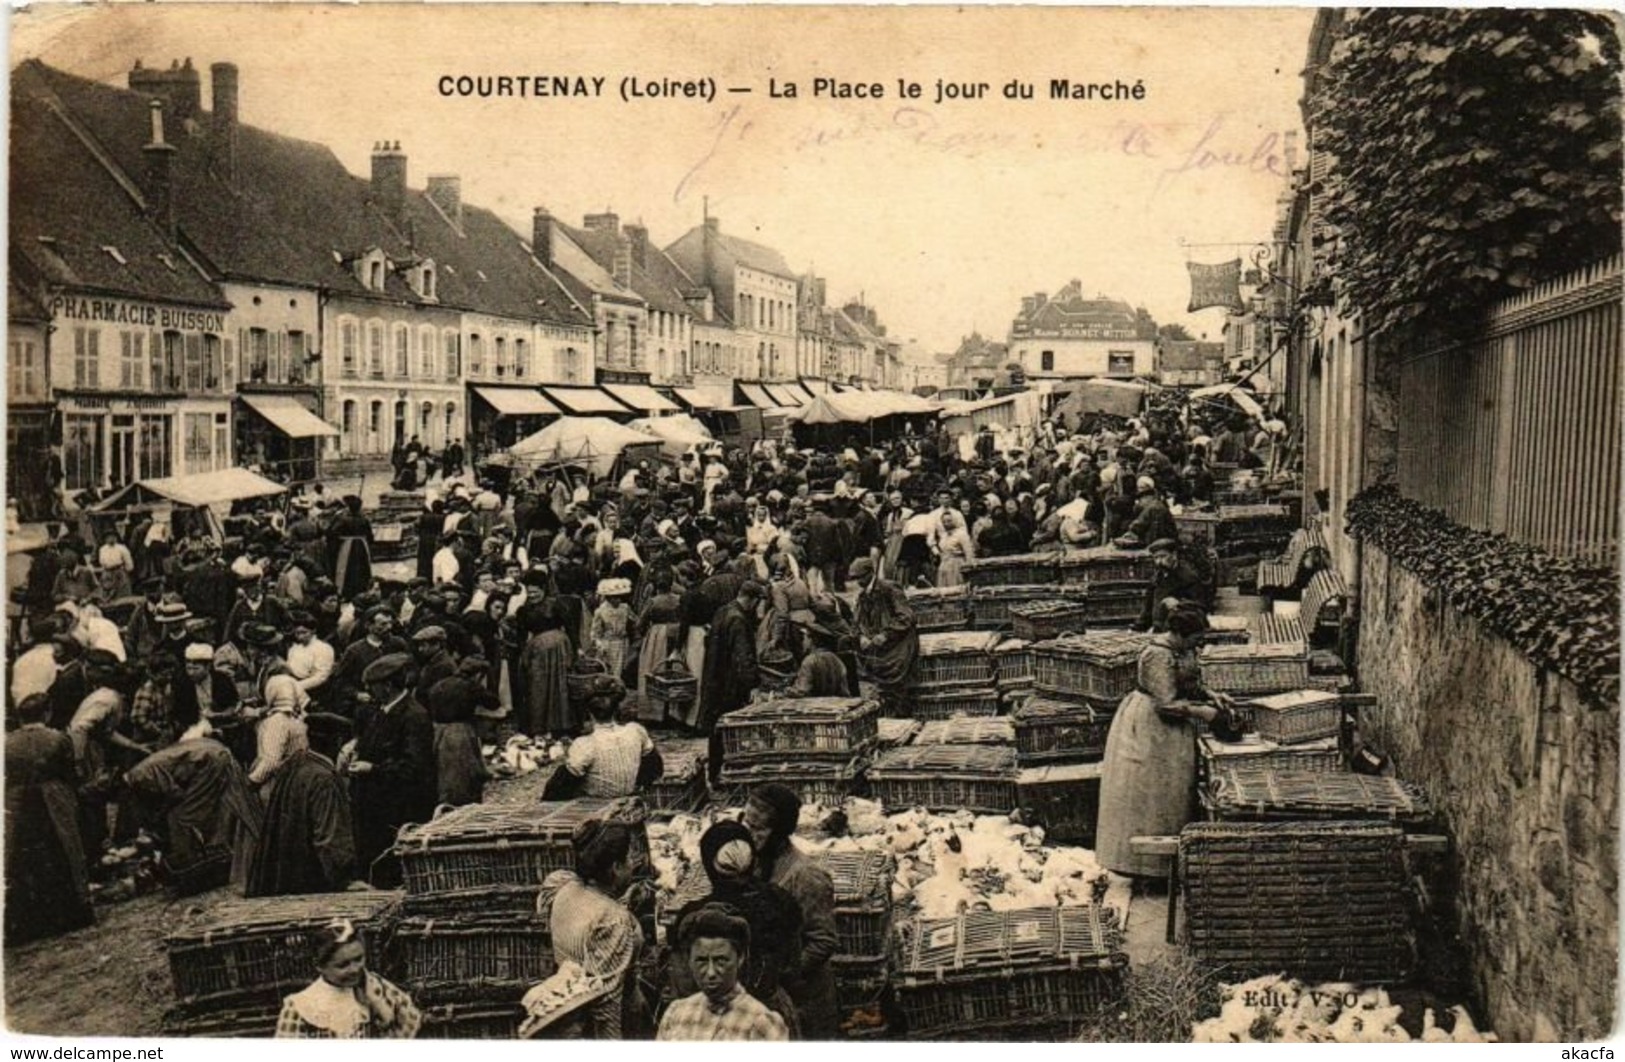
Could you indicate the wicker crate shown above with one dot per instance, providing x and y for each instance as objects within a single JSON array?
[
  {"x": 816, "y": 783},
  {"x": 1114, "y": 607},
  {"x": 1322, "y": 901},
  {"x": 1039, "y": 621},
  {"x": 1213, "y": 755},
  {"x": 1022, "y": 569},
  {"x": 252, "y": 952},
  {"x": 1050, "y": 730},
  {"x": 252, "y": 1023},
  {"x": 980, "y": 778},
  {"x": 940, "y": 608},
  {"x": 578, "y": 680},
  {"x": 1267, "y": 794},
  {"x": 1101, "y": 665},
  {"x": 1064, "y": 798},
  {"x": 863, "y": 905},
  {"x": 1302, "y": 715},
  {"x": 966, "y": 731},
  {"x": 959, "y": 656},
  {"x": 682, "y": 785},
  {"x": 492, "y": 958},
  {"x": 986, "y": 971},
  {"x": 861, "y": 990},
  {"x": 1254, "y": 668},
  {"x": 990, "y": 606},
  {"x": 894, "y": 733},
  {"x": 1013, "y": 663},
  {"x": 1107, "y": 566},
  {"x": 1227, "y": 630},
  {"x": 799, "y": 727},
  {"x": 954, "y": 701},
  {"x": 1198, "y": 528},
  {"x": 472, "y": 1021},
  {"x": 671, "y": 688},
  {"x": 486, "y": 846}
]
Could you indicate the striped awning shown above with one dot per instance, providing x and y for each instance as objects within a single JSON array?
[{"x": 585, "y": 400}]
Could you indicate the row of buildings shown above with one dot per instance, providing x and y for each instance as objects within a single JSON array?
[{"x": 188, "y": 293}]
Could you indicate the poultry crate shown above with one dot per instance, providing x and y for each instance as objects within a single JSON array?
[
  {"x": 1013, "y": 664},
  {"x": 1098, "y": 666},
  {"x": 1318, "y": 901},
  {"x": 1041, "y": 972},
  {"x": 1272, "y": 668},
  {"x": 682, "y": 783},
  {"x": 822, "y": 783},
  {"x": 954, "y": 700},
  {"x": 247, "y": 954},
  {"x": 1022, "y": 569},
  {"x": 959, "y": 656},
  {"x": 478, "y": 958},
  {"x": 979, "y": 778},
  {"x": 893, "y": 733},
  {"x": 820, "y": 728},
  {"x": 1105, "y": 566},
  {"x": 1049, "y": 730},
  {"x": 1040, "y": 621},
  {"x": 1064, "y": 798},
  {"x": 990, "y": 606},
  {"x": 1213, "y": 755},
  {"x": 1269, "y": 794},
  {"x": 671, "y": 688},
  {"x": 1298, "y": 716},
  {"x": 967, "y": 731},
  {"x": 940, "y": 608},
  {"x": 503, "y": 851}
]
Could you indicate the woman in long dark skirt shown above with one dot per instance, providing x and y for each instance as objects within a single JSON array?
[{"x": 47, "y": 881}]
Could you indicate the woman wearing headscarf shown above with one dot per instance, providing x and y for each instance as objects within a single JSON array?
[
  {"x": 729, "y": 859},
  {"x": 349, "y": 542},
  {"x": 954, "y": 548},
  {"x": 771, "y": 816},
  {"x": 656, "y": 629},
  {"x": 888, "y": 636},
  {"x": 760, "y": 536},
  {"x": 591, "y": 925},
  {"x": 1149, "y": 773},
  {"x": 282, "y": 730}
]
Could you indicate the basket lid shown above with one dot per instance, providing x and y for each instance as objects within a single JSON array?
[
  {"x": 1057, "y": 773},
  {"x": 949, "y": 759},
  {"x": 946, "y": 642},
  {"x": 1253, "y": 745},
  {"x": 1013, "y": 645},
  {"x": 1012, "y": 560},
  {"x": 554, "y": 819},
  {"x": 1049, "y": 708},
  {"x": 1282, "y": 702},
  {"x": 859, "y": 877},
  {"x": 1030, "y": 936},
  {"x": 802, "y": 710},
  {"x": 1358, "y": 795},
  {"x": 1100, "y": 555},
  {"x": 1253, "y": 651},
  {"x": 937, "y": 593},
  {"x": 790, "y": 773},
  {"x": 897, "y": 731},
  {"x": 997, "y": 730},
  {"x": 1109, "y": 647},
  {"x": 295, "y": 913}
]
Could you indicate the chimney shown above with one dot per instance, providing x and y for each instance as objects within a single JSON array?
[
  {"x": 389, "y": 179},
  {"x": 179, "y": 87},
  {"x": 446, "y": 192},
  {"x": 159, "y": 158},
  {"x": 1028, "y": 305},
  {"x": 605, "y": 222},
  {"x": 223, "y": 120},
  {"x": 621, "y": 266},
  {"x": 541, "y": 236},
  {"x": 640, "y": 245},
  {"x": 1289, "y": 148}
]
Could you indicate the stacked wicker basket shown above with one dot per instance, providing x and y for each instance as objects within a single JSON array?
[
  {"x": 469, "y": 944},
  {"x": 232, "y": 968},
  {"x": 818, "y": 746},
  {"x": 957, "y": 674},
  {"x": 682, "y": 784}
]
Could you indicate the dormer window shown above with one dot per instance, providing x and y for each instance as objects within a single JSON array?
[
  {"x": 375, "y": 275},
  {"x": 427, "y": 290}
]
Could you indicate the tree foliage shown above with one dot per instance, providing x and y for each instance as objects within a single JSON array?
[
  {"x": 1475, "y": 153},
  {"x": 1175, "y": 331}
]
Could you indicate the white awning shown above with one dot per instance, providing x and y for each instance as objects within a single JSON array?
[
  {"x": 706, "y": 397},
  {"x": 757, "y": 397},
  {"x": 517, "y": 401},
  {"x": 289, "y": 417},
  {"x": 642, "y": 397},
  {"x": 585, "y": 400},
  {"x": 199, "y": 488}
]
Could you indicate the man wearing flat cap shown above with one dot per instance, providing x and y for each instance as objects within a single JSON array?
[
  {"x": 1176, "y": 580},
  {"x": 391, "y": 764},
  {"x": 434, "y": 660}
]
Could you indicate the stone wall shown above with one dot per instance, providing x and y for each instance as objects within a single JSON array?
[{"x": 1526, "y": 774}]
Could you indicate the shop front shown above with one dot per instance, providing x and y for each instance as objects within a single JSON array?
[{"x": 281, "y": 436}]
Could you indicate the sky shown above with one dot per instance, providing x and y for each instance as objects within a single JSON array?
[{"x": 940, "y": 215}]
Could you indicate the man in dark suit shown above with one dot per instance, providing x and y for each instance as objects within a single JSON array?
[
  {"x": 391, "y": 764},
  {"x": 730, "y": 665}
]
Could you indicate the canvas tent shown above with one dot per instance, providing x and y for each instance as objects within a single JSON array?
[
  {"x": 594, "y": 443},
  {"x": 1120, "y": 398},
  {"x": 207, "y": 494},
  {"x": 677, "y": 433},
  {"x": 1240, "y": 396}
]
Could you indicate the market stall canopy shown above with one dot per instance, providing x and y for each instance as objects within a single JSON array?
[
  {"x": 199, "y": 489},
  {"x": 1243, "y": 398},
  {"x": 642, "y": 397},
  {"x": 592, "y": 442},
  {"x": 517, "y": 401},
  {"x": 853, "y": 407},
  {"x": 756, "y": 396},
  {"x": 677, "y": 433},
  {"x": 788, "y": 394},
  {"x": 585, "y": 400},
  {"x": 1120, "y": 398},
  {"x": 706, "y": 397},
  {"x": 289, "y": 417}
]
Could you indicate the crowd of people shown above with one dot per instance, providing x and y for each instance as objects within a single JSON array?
[{"x": 271, "y": 712}]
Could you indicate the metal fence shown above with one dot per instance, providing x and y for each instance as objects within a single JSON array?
[{"x": 1517, "y": 430}]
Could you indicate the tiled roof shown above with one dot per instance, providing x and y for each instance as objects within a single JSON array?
[
  {"x": 21, "y": 304},
  {"x": 650, "y": 282},
  {"x": 1187, "y": 354},
  {"x": 113, "y": 247},
  {"x": 756, "y": 256},
  {"x": 294, "y": 212}
]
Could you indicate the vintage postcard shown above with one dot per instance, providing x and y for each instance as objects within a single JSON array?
[{"x": 871, "y": 524}]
